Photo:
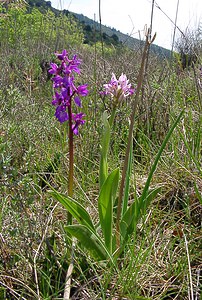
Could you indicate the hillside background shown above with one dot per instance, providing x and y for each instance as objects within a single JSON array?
[{"x": 93, "y": 32}]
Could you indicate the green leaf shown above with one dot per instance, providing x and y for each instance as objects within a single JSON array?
[
  {"x": 105, "y": 206},
  {"x": 75, "y": 209},
  {"x": 198, "y": 194},
  {"x": 106, "y": 134},
  {"x": 104, "y": 149},
  {"x": 135, "y": 212},
  {"x": 129, "y": 219},
  {"x": 89, "y": 240},
  {"x": 190, "y": 151},
  {"x": 145, "y": 202}
]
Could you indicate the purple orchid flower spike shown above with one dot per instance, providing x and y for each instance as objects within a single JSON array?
[{"x": 66, "y": 90}]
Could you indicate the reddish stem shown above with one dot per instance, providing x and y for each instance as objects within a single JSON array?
[{"x": 71, "y": 159}]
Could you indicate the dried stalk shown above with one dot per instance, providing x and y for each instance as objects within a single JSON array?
[{"x": 132, "y": 120}]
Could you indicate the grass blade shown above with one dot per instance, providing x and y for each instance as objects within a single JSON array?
[
  {"x": 153, "y": 168},
  {"x": 134, "y": 213}
]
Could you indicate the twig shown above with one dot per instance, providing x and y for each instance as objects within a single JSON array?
[
  {"x": 12, "y": 291},
  {"x": 101, "y": 36},
  {"x": 169, "y": 19},
  {"x": 67, "y": 289},
  {"x": 174, "y": 32},
  {"x": 189, "y": 266},
  {"x": 197, "y": 284},
  {"x": 38, "y": 249},
  {"x": 132, "y": 120},
  {"x": 18, "y": 281}
]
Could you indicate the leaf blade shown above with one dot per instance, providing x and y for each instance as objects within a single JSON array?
[
  {"x": 105, "y": 206},
  {"x": 88, "y": 239},
  {"x": 135, "y": 212},
  {"x": 106, "y": 133},
  {"x": 75, "y": 208}
]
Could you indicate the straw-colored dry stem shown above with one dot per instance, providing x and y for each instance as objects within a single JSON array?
[{"x": 132, "y": 119}]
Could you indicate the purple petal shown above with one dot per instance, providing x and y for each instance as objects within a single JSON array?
[
  {"x": 77, "y": 118},
  {"x": 57, "y": 99},
  {"x": 62, "y": 56},
  {"x": 82, "y": 90},
  {"x": 75, "y": 129},
  {"x": 54, "y": 69},
  {"x": 57, "y": 81},
  {"x": 77, "y": 101},
  {"x": 61, "y": 114},
  {"x": 118, "y": 89}
]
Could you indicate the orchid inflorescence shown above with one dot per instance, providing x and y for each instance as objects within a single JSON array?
[
  {"x": 119, "y": 89},
  {"x": 66, "y": 90}
]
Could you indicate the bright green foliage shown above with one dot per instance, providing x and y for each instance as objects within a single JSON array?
[
  {"x": 104, "y": 248},
  {"x": 20, "y": 28},
  {"x": 88, "y": 239},
  {"x": 153, "y": 261},
  {"x": 86, "y": 232},
  {"x": 76, "y": 209}
]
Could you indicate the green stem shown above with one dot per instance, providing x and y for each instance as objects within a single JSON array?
[{"x": 111, "y": 119}]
